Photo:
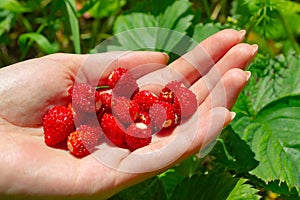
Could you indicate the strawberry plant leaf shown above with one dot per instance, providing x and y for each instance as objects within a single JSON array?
[
  {"x": 217, "y": 186},
  {"x": 171, "y": 25},
  {"x": 147, "y": 190},
  {"x": 243, "y": 191},
  {"x": 203, "y": 31},
  {"x": 274, "y": 137},
  {"x": 170, "y": 179},
  {"x": 233, "y": 153},
  {"x": 279, "y": 79}
]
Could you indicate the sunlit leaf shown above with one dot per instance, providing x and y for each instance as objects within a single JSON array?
[
  {"x": 162, "y": 32},
  {"x": 40, "y": 39},
  {"x": 203, "y": 31},
  {"x": 13, "y": 6},
  {"x": 243, "y": 191},
  {"x": 106, "y": 8},
  {"x": 274, "y": 137},
  {"x": 73, "y": 20}
]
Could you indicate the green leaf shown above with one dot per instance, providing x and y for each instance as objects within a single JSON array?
[
  {"x": 233, "y": 153},
  {"x": 170, "y": 179},
  {"x": 73, "y": 20},
  {"x": 274, "y": 137},
  {"x": 203, "y": 187},
  {"x": 106, "y": 8},
  {"x": 13, "y": 6},
  {"x": 147, "y": 190},
  {"x": 163, "y": 32},
  {"x": 40, "y": 39},
  {"x": 6, "y": 21},
  {"x": 202, "y": 32},
  {"x": 154, "y": 7},
  {"x": 243, "y": 191},
  {"x": 281, "y": 80},
  {"x": 132, "y": 34}
]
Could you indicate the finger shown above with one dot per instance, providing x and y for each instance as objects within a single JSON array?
[
  {"x": 227, "y": 90},
  {"x": 199, "y": 61},
  {"x": 97, "y": 67},
  {"x": 211, "y": 123},
  {"x": 238, "y": 56}
]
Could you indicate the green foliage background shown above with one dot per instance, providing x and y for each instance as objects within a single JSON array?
[{"x": 258, "y": 155}]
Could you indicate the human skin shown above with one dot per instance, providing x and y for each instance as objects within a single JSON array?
[{"x": 28, "y": 89}]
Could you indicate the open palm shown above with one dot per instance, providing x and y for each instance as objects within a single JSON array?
[{"x": 30, "y": 88}]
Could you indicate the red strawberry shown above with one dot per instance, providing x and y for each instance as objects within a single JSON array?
[
  {"x": 145, "y": 99},
  {"x": 113, "y": 130},
  {"x": 185, "y": 103},
  {"x": 126, "y": 86},
  {"x": 57, "y": 124},
  {"x": 83, "y": 97},
  {"x": 115, "y": 75},
  {"x": 167, "y": 95},
  {"x": 126, "y": 111},
  {"x": 174, "y": 85},
  {"x": 138, "y": 135},
  {"x": 98, "y": 101},
  {"x": 106, "y": 100},
  {"x": 83, "y": 141},
  {"x": 144, "y": 117},
  {"x": 162, "y": 114}
]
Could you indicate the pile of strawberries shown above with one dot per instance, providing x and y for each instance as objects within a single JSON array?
[{"x": 120, "y": 114}]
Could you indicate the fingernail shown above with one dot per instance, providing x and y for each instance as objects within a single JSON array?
[
  {"x": 255, "y": 49},
  {"x": 248, "y": 74},
  {"x": 242, "y": 34},
  {"x": 166, "y": 56},
  {"x": 232, "y": 115}
]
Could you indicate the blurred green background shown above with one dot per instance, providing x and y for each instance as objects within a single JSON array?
[
  {"x": 258, "y": 155},
  {"x": 33, "y": 28}
]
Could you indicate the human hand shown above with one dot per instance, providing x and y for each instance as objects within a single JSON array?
[{"x": 30, "y": 88}]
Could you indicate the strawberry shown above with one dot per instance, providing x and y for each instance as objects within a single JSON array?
[
  {"x": 83, "y": 141},
  {"x": 113, "y": 130},
  {"x": 144, "y": 117},
  {"x": 115, "y": 76},
  {"x": 138, "y": 135},
  {"x": 168, "y": 92},
  {"x": 162, "y": 114},
  {"x": 167, "y": 95},
  {"x": 126, "y": 111},
  {"x": 105, "y": 98},
  {"x": 57, "y": 124},
  {"x": 98, "y": 100},
  {"x": 174, "y": 85},
  {"x": 126, "y": 86},
  {"x": 86, "y": 118},
  {"x": 83, "y": 97},
  {"x": 145, "y": 99},
  {"x": 185, "y": 103}
]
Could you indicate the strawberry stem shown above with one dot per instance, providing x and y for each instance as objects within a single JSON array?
[{"x": 101, "y": 87}]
